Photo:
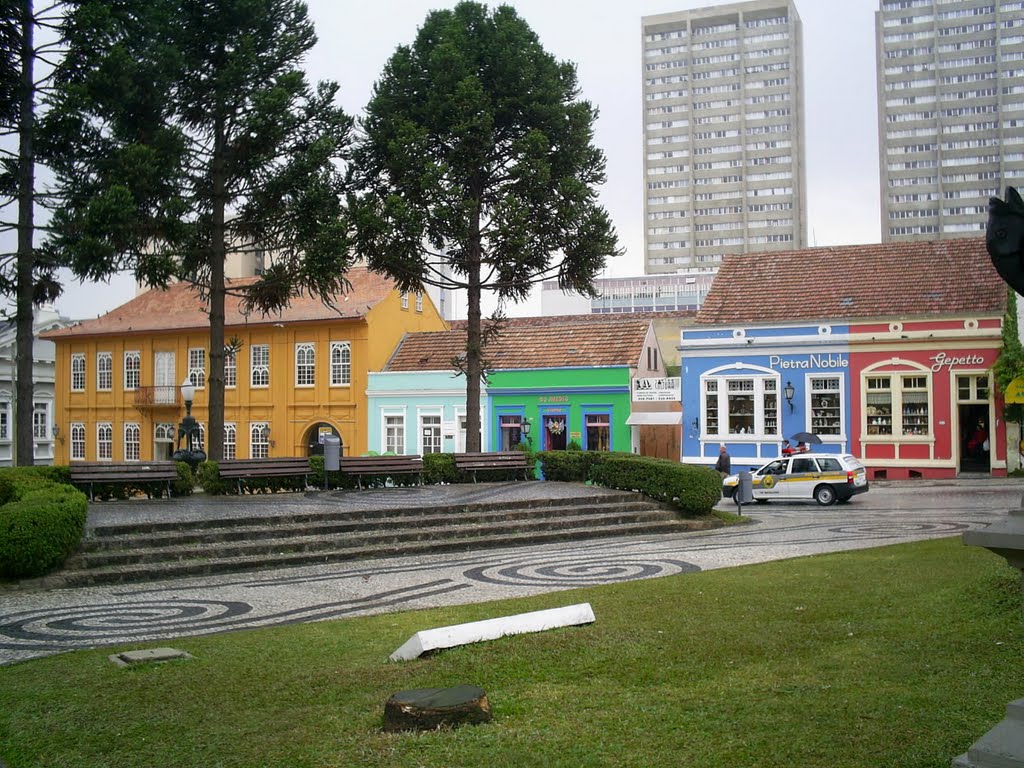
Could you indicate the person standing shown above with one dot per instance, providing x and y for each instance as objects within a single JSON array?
[{"x": 724, "y": 463}]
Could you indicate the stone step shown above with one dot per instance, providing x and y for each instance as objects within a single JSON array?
[
  {"x": 250, "y": 520},
  {"x": 356, "y": 523},
  {"x": 463, "y": 542},
  {"x": 432, "y": 529}
]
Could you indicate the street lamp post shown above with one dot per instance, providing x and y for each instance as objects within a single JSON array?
[
  {"x": 526, "y": 432},
  {"x": 189, "y": 431}
]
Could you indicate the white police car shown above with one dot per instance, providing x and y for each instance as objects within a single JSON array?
[{"x": 825, "y": 478}]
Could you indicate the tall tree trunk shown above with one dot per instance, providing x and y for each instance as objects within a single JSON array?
[
  {"x": 474, "y": 348},
  {"x": 24, "y": 452},
  {"x": 215, "y": 415}
]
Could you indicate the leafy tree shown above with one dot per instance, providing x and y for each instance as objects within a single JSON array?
[
  {"x": 1010, "y": 363},
  {"x": 477, "y": 171},
  {"x": 185, "y": 131},
  {"x": 25, "y": 71}
]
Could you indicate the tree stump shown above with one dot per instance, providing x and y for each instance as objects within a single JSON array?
[{"x": 426, "y": 709}]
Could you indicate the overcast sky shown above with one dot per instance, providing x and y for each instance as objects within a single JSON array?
[{"x": 602, "y": 37}]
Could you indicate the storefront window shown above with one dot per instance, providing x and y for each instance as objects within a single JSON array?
[
  {"x": 748, "y": 406},
  {"x": 771, "y": 406},
  {"x": 511, "y": 431},
  {"x": 879, "y": 405},
  {"x": 915, "y": 405},
  {"x": 598, "y": 432},
  {"x": 826, "y": 405},
  {"x": 711, "y": 404},
  {"x": 741, "y": 406},
  {"x": 898, "y": 404}
]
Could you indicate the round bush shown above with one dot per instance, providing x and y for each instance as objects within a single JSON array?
[{"x": 39, "y": 530}]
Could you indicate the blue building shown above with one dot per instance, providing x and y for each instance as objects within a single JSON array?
[{"x": 751, "y": 387}]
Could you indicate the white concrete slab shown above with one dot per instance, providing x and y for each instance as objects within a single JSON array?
[{"x": 491, "y": 629}]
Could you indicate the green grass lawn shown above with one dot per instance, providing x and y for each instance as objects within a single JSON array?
[{"x": 899, "y": 656}]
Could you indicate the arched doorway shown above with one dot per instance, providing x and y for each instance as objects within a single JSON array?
[{"x": 314, "y": 447}]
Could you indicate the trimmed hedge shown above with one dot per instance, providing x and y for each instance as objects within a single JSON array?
[
  {"x": 41, "y": 527},
  {"x": 439, "y": 469},
  {"x": 694, "y": 491}
]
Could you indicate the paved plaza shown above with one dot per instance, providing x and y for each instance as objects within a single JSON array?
[{"x": 36, "y": 623}]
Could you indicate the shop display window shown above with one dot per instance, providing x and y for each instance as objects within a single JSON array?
[
  {"x": 711, "y": 407},
  {"x": 771, "y": 406},
  {"x": 898, "y": 404},
  {"x": 915, "y": 405},
  {"x": 879, "y": 405},
  {"x": 826, "y": 406},
  {"x": 741, "y": 406}
]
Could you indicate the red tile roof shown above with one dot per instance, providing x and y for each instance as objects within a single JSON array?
[
  {"x": 890, "y": 280},
  {"x": 593, "y": 317},
  {"x": 567, "y": 344},
  {"x": 180, "y": 308}
]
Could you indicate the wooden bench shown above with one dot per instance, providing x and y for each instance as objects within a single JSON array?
[
  {"x": 132, "y": 473},
  {"x": 385, "y": 466},
  {"x": 241, "y": 470},
  {"x": 513, "y": 461}
]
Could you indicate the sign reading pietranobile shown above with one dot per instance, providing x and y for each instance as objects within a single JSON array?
[{"x": 656, "y": 390}]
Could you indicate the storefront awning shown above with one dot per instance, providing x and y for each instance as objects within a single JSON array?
[{"x": 654, "y": 417}]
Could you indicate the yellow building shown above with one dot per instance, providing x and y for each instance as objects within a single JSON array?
[{"x": 294, "y": 376}]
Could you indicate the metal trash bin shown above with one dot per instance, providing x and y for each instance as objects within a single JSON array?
[
  {"x": 744, "y": 493},
  {"x": 332, "y": 456}
]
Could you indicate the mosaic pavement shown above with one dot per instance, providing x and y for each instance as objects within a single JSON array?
[{"x": 34, "y": 624}]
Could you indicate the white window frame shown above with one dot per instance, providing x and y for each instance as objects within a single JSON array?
[
  {"x": 259, "y": 440},
  {"x": 813, "y": 406},
  {"x": 305, "y": 364},
  {"x": 259, "y": 366},
  {"x": 230, "y": 441},
  {"x": 41, "y": 422},
  {"x": 897, "y": 369},
  {"x": 5, "y": 419},
  {"x": 132, "y": 442},
  {"x": 78, "y": 372},
  {"x": 405, "y": 300},
  {"x": 132, "y": 370},
  {"x": 78, "y": 441},
  {"x": 197, "y": 367},
  {"x": 104, "y": 371},
  {"x": 436, "y": 436},
  {"x": 759, "y": 377},
  {"x": 397, "y": 445},
  {"x": 419, "y": 301},
  {"x": 104, "y": 441},
  {"x": 341, "y": 363},
  {"x": 230, "y": 370}
]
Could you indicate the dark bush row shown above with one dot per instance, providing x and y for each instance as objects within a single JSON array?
[
  {"x": 692, "y": 490},
  {"x": 42, "y": 519}
]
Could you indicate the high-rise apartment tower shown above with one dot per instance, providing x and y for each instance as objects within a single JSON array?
[
  {"x": 950, "y": 113},
  {"x": 723, "y": 134}
]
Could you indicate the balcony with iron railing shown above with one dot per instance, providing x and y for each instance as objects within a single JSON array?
[{"x": 168, "y": 396}]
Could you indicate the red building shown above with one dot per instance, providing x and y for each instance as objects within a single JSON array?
[{"x": 923, "y": 400}]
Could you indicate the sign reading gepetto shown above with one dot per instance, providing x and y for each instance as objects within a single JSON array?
[{"x": 656, "y": 390}]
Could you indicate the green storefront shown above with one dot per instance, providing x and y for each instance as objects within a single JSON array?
[{"x": 588, "y": 406}]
